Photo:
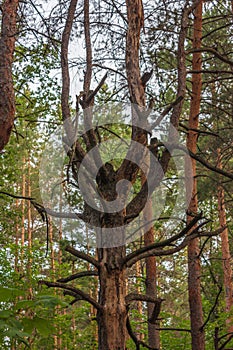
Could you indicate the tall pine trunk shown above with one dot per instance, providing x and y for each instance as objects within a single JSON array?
[
  {"x": 194, "y": 268},
  {"x": 226, "y": 255},
  {"x": 23, "y": 218},
  {"x": 29, "y": 232},
  {"x": 153, "y": 332}
]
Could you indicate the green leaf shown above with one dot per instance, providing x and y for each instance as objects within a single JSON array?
[
  {"x": 5, "y": 314},
  {"x": 24, "y": 304},
  {"x": 43, "y": 326},
  {"x": 8, "y": 294},
  {"x": 28, "y": 325},
  {"x": 50, "y": 301}
]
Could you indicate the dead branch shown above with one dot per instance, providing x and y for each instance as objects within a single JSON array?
[
  {"x": 204, "y": 162},
  {"x": 136, "y": 341},
  {"x": 76, "y": 291},
  {"x": 166, "y": 111},
  {"x": 83, "y": 256},
  {"x": 144, "y": 297},
  {"x": 164, "y": 252},
  {"x": 63, "y": 215},
  {"x": 164, "y": 243},
  {"x": 72, "y": 294},
  {"x": 141, "y": 297},
  {"x": 94, "y": 93},
  {"x": 212, "y": 309},
  {"x": 78, "y": 275}
]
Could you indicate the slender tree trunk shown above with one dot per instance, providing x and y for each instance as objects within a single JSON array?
[
  {"x": 59, "y": 338},
  {"x": 52, "y": 254},
  {"x": 16, "y": 261},
  {"x": 226, "y": 256},
  {"x": 17, "y": 240},
  {"x": 23, "y": 218},
  {"x": 138, "y": 273},
  {"x": 153, "y": 332},
  {"x": 53, "y": 269},
  {"x": 95, "y": 280},
  {"x": 194, "y": 268},
  {"x": 29, "y": 232},
  {"x": 7, "y": 46}
]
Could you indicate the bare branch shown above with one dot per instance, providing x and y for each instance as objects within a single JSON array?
[
  {"x": 164, "y": 252},
  {"x": 214, "y": 52},
  {"x": 212, "y": 309},
  {"x": 78, "y": 275},
  {"x": 164, "y": 243},
  {"x": 92, "y": 94},
  {"x": 76, "y": 291},
  {"x": 222, "y": 347},
  {"x": 82, "y": 255},
  {"x": 166, "y": 111},
  {"x": 16, "y": 197},
  {"x": 199, "y": 131},
  {"x": 136, "y": 341},
  {"x": 132, "y": 334},
  {"x": 141, "y": 297},
  {"x": 149, "y": 299},
  {"x": 204, "y": 162},
  {"x": 109, "y": 69},
  {"x": 72, "y": 294},
  {"x": 63, "y": 215}
]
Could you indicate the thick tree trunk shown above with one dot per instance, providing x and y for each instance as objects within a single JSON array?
[
  {"x": 112, "y": 316},
  {"x": 226, "y": 256},
  {"x": 7, "y": 47},
  {"x": 194, "y": 268}
]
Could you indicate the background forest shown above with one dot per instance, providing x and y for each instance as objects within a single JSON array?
[{"x": 193, "y": 78}]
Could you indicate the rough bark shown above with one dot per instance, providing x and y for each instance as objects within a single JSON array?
[
  {"x": 194, "y": 268},
  {"x": 113, "y": 313},
  {"x": 112, "y": 316},
  {"x": 7, "y": 47}
]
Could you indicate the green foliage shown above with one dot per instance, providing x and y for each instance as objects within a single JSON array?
[{"x": 14, "y": 325}]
